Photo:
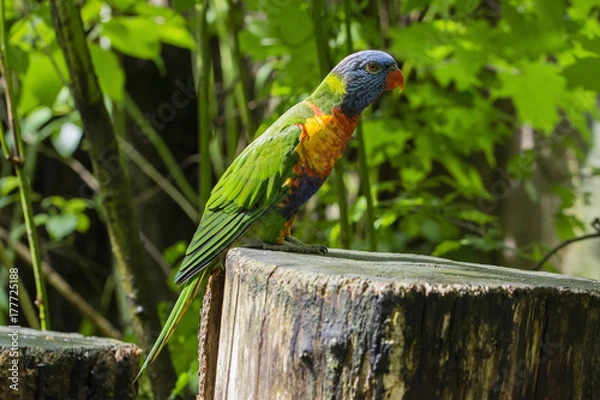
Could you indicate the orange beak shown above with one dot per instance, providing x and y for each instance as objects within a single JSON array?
[{"x": 394, "y": 79}]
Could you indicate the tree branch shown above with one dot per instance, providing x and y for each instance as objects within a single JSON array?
[
  {"x": 595, "y": 224},
  {"x": 18, "y": 161},
  {"x": 114, "y": 189}
]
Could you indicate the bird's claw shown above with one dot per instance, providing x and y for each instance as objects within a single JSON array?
[{"x": 293, "y": 245}]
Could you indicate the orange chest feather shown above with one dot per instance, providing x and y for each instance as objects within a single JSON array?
[{"x": 322, "y": 142}]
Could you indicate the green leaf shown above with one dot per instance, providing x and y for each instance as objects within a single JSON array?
[
  {"x": 411, "y": 177},
  {"x": 36, "y": 119},
  {"x": 462, "y": 69},
  {"x": 56, "y": 201},
  {"x": 552, "y": 12},
  {"x": 39, "y": 219},
  {"x": 536, "y": 91},
  {"x": 180, "y": 385},
  {"x": 175, "y": 34},
  {"x": 482, "y": 243},
  {"x": 475, "y": 216},
  {"x": 566, "y": 225},
  {"x": 446, "y": 247},
  {"x": 76, "y": 205},
  {"x": 418, "y": 43},
  {"x": 582, "y": 8},
  {"x": 385, "y": 221},
  {"x": 175, "y": 252},
  {"x": 18, "y": 58},
  {"x": 40, "y": 84},
  {"x": 134, "y": 36},
  {"x": 67, "y": 140},
  {"x": 183, "y": 5},
  {"x": 59, "y": 226},
  {"x": 282, "y": 29},
  {"x": 8, "y": 184},
  {"x": 567, "y": 196},
  {"x": 466, "y": 177},
  {"x": 124, "y": 5},
  {"x": 83, "y": 223},
  {"x": 411, "y": 5},
  {"x": 384, "y": 139},
  {"x": 90, "y": 11},
  {"x": 30, "y": 32},
  {"x": 585, "y": 73},
  {"x": 536, "y": 37},
  {"x": 109, "y": 71}
]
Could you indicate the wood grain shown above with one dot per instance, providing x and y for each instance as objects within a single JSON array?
[
  {"x": 353, "y": 325},
  {"x": 56, "y": 365}
]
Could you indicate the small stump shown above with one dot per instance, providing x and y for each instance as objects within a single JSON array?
[
  {"x": 353, "y": 325},
  {"x": 56, "y": 365}
]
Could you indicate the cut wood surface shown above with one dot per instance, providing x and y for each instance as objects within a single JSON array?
[
  {"x": 56, "y": 365},
  {"x": 354, "y": 325}
]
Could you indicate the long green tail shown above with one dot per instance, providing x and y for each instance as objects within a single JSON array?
[{"x": 190, "y": 289}]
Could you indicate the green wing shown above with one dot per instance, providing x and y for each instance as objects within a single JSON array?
[{"x": 247, "y": 190}]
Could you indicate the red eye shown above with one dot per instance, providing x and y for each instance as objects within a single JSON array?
[{"x": 372, "y": 67}]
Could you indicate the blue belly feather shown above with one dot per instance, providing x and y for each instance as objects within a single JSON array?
[{"x": 307, "y": 186}]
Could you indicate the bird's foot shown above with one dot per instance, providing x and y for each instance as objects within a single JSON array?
[{"x": 293, "y": 245}]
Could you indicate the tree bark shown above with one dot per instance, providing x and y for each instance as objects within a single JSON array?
[
  {"x": 208, "y": 337},
  {"x": 114, "y": 188},
  {"x": 353, "y": 325},
  {"x": 55, "y": 365}
]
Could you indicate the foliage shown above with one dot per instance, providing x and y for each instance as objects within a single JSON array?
[{"x": 439, "y": 155}]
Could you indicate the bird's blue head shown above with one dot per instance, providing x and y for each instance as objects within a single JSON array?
[{"x": 365, "y": 75}]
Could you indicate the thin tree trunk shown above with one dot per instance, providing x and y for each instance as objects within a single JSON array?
[{"x": 114, "y": 188}]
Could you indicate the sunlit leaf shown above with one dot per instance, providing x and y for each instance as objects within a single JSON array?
[
  {"x": 384, "y": 139},
  {"x": 462, "y": 69},
  {"x": 536, "y": 90},
  {"x": 60, "y": 226},
  {"x": 417, "y": 43},
  {"x": 8, "y": 184},
  {"x": 67, "y": 140},
  {"x": 109, "y": 71},
  {"x": 446, "y": 247},
  {"x": 174, "y": 34},
  {"x": 40, "y": 84},
  {"x": 581, "y": 8},
  {"x": 134, "y": 36},
  {"x": 76, "y": 205},
  {"x": 83, "y": 223},
  {"x": 36, "y": 119}
]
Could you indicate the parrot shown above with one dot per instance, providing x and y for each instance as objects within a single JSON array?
[{"x": 256, "y": 199}]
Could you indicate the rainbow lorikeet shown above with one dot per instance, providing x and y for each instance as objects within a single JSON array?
[{"x": 259, "y": 194}]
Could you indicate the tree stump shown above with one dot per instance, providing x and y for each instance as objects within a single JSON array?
[
  {"x": 354, "y": 325},
  {"x": 55, "y": 365}
]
